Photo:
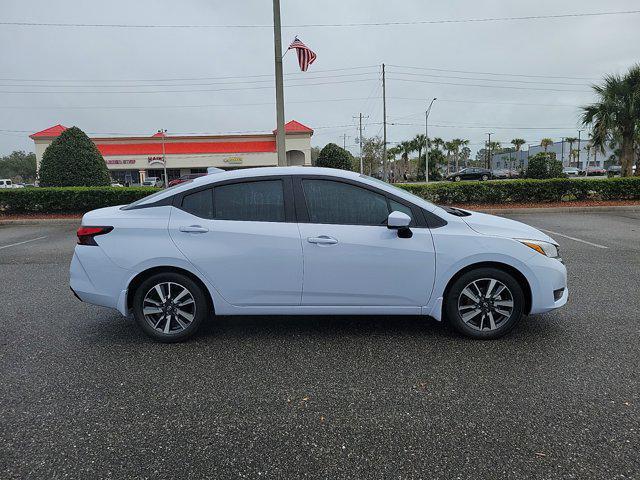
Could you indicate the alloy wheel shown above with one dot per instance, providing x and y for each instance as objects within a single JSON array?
[
  {"x": 485, "y": 304},
  {"x": 169, "y": 308}
]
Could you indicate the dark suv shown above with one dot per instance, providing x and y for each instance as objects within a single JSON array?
[{"x": 471, "y": 173}]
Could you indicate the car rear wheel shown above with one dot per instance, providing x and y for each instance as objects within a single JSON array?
[
  {"x": 169, "y": 307},
  {"x": 485, "y": 177},
  {"x": 457, "y": 178},
  {"x": 485, "y": 303}
]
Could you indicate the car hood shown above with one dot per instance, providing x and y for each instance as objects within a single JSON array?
[{"x": 503, "y": 227}]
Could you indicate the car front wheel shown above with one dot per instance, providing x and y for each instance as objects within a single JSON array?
[
  {"x": 457, "y": 178},
  {"x": 485, "y": 303},
  {"x": 169, "y": 307},
  {"x": 485, "y": 177}
]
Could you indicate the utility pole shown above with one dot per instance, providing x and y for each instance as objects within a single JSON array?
[
  {"x": 344, "y": 141},
  {"x": 426, "y": 141},
  {"x": 162, "y": 133},
  {"x": 360, "y": 142},
  {"x": 277, "y": 43},
  {"x": 489, "y": 152},
  {"x": 385, "y": 173},
  {"x": 579, "y": 148}
]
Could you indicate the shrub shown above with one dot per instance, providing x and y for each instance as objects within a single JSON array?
[
  {"x": 528, "y": 190},
  {"x": 544, "y": 165},
  {"x": 83, "y": 199},
  {"x": 333, "y": 156},
  {"x": 67, "y": 199},
  {"x": 73, "y": 159}
]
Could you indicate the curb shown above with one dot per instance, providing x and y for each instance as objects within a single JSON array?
[
  {"x": 41, "y": 221},
  {"x": 532, "y": 210}
]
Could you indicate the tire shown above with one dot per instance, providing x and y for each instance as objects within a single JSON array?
[
  {"x": 457, "y": 179},
  {"x": 487, "y": 323},
  {"x": 183, "y": 322},
  {"x": 485, "y": 178}
]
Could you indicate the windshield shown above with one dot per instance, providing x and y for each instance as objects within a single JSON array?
[{"x": 151, "y": 197}]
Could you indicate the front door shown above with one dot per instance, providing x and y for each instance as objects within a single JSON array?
[
  {"x": 242, "y": 236},
  {"x": 351, "y": 258}
]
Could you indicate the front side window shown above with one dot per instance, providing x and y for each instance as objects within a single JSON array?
[
  {"x": 341, "y": 203},
  {"x": 260, "y": 201}
]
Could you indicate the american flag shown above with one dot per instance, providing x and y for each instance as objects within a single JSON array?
[{"x": 305, "y": 56}]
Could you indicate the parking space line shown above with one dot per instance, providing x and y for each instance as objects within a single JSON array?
[
  {"x": 20, "y": 243},
  {"x": 573, "y": 238}
]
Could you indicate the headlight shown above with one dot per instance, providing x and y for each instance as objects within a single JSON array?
[{"x": 545, "y": 248}]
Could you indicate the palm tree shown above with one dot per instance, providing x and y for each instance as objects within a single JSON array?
[
  {"x": 517, "y": 143},
  {"x": 450, "y": 147},
  {"x": 570, "y": 141},
  {"x": 419, "y": 142},
  {"x": 457, "y": 143},
  {"x": 406, "y": 148},
  {"x": 546, "y": 143},
  {"x": 616, "y": 113}
]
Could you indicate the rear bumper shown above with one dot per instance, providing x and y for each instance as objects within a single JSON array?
[{"x": 94, "y": 279}]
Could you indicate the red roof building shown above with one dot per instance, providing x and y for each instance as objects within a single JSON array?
[{"x": 132, "y": 158}]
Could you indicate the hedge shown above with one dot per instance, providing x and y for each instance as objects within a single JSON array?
[
  {"x": 67, "y": 199},
  {"x": 83, "y": 199},
  {"x": 528, "y": 190}
]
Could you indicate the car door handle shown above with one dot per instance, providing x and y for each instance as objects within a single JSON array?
[
  {"x": 194, "y": 229},
  {"x": 322, "y": 240}
]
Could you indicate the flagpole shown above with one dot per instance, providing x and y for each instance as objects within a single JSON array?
[{"x": 277, "y": 43}]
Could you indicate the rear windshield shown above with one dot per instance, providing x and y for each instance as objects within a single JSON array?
[{"x": 153, "y": 196}]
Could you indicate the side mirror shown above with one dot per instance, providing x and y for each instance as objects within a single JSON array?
[{"x": 400, "y": 221}]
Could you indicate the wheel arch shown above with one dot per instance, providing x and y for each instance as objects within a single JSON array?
[
  {"x": 143, "y": 275},
  {"x": 514, "y": 272}
]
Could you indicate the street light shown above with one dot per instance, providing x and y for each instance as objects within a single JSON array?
[
  {"x": 426, "y": 140},
  {"x": 162, "y": 132}
]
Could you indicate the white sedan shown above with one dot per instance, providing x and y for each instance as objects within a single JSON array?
[{"x": 310, "y": 241}]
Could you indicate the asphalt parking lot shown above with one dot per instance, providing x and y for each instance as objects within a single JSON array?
[{"x": 83, "y": 394}]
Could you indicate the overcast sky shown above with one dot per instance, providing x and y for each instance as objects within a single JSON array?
[{"x": 94, "y": 66}]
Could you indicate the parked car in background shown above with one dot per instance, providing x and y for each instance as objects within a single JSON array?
[
  {"x": 504, "y": 173},
  {"x": 116, "y": 184},
  {"x": 470, "y": 173},
  {"x": 152, "y": 182},
  {"x": 571, "y": 171},
  {"x": 594, "y": 171},
  {"x": 614, "y": 171},
  {"x": 310, "y": 241},
  {"x": 185, "y": 178},
  {"x": 6, "y": 183}
]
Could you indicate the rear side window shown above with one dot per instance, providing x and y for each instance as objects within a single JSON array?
[
  {"x": 199, "y": 203},
  {"x": 261, "y": 201},
  {"x": 341, "y": 203}
]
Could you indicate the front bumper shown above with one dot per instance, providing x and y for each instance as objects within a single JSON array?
[{"x": 549, "y": 276}]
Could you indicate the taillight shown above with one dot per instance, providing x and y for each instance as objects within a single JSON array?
[{"x": 86, "y": 234}]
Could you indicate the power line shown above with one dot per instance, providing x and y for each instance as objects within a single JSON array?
[
  {"x": 185, "y": 91},
  {"x": 235, "y": 82},
  {"x": 127, "y": 107},
  {"x": 241, "y": 76},
  {"x": 491, "y": 73},
  {"x": 505, "y": 80},
  {"x": 488, "y": 86},
  {"x": 322, "y": 25}
]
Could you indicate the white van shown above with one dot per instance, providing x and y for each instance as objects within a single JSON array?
[{"x": 6, "y": 183}]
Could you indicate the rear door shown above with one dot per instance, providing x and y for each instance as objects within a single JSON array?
[
  {"x": 243, "y": 237},
  {"x": 351, "y": 258}
]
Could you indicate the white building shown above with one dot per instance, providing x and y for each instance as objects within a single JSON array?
[{"x": 131, "y": 159}]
